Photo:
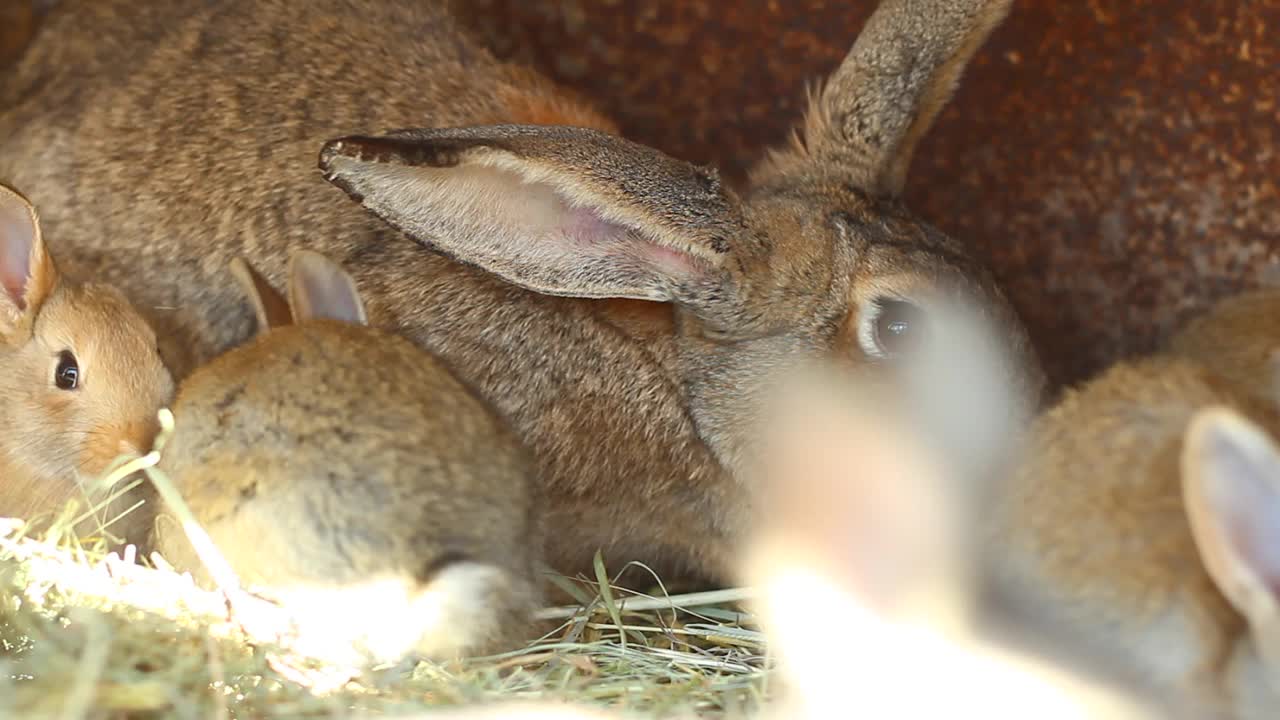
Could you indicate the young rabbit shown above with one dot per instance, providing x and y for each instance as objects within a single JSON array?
[
  {"x": 1146, "y": 520},
  {"x": 81, "y": 383},
  {"x": 354, "y": 477},
  {"x": 620, "y": 306}
]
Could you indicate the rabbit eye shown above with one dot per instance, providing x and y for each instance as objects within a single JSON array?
[
  {"x": 897, "y": 327},
  {"x": 67, "y": 374}
]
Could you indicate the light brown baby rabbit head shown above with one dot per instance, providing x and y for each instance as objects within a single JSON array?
[
  {"x": 80, "y": 377},
  {"x": 349, "y": 474},
  {"x": 1146, "y": 521},
  {"x": 815, "y": 256}
]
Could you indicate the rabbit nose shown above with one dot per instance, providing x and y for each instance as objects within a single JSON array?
[
  {"x": 136, "y": 438},
  {"x": 108, "y": 443}
]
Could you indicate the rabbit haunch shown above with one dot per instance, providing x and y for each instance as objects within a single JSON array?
[{"x": 638, "y": 418}]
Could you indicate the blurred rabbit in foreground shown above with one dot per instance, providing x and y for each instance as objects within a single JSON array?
[
  {"x": 865, "y": 562},
  {"x": 862, "y": 558}
]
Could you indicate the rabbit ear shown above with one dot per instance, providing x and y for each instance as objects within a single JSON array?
[
  {"x": 269, "y": 308},
  {"x": 902, "y": 70},
  {"x": 27, "y": 272},
  {"x": 1231, "y": 488},
  {"x": 557, "y": 210},
  {"x": 320, "y": 288}
]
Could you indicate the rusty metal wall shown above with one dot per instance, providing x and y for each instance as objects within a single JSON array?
[
  {"x": 1118, "y": 161},
  {"x": 17, "y": 22}
]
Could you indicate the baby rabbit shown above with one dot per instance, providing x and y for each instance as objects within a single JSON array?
[
  {"x": 81, "y": 383},
  {"x": 355, "y": 478},
  {"x": 1146, "y": 520}
]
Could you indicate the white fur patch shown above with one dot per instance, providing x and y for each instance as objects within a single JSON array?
[
  {"x": 389, "y": 618},
  {"x": 906, "y": 668}
]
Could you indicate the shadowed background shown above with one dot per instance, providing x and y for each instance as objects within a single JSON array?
[{"x": 1116, "y": 161}]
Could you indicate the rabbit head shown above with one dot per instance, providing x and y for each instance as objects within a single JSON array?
[
  {"x": 815, "y": 257},
  {"x": 80, "y": 374}
]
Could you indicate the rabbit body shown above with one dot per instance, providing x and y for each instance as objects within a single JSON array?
[
  {"x": 333, "y": 463},
  {"x": 622, "y": 308},
  {"x": 1097, "y": 532}
]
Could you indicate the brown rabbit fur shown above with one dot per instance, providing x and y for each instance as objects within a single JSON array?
[
  {"x": 1238, "y": 339},
  {"x": 323, "y": 455},
  {"x": 1095, "y": 532},
  {"x": 622, "y": 308},
  {"x": 56, "y": 440}
]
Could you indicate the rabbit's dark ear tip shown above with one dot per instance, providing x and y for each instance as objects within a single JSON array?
[
  {"x": 331, "y": 149},
  {"x": 386, "y": 151},
  {"x": 352, "y": 147}
]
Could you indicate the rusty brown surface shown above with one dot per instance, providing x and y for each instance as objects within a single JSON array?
[
  {"x": 1117, "y": 161},
  {"x": 17, "y": 22}
]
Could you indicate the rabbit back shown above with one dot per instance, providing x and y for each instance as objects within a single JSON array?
[
  {"x": 1091, "y": 534},
  {"x": 1237, "y": 339}
]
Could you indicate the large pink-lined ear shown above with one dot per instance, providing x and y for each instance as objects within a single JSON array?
[
  {"x": 320, "y": 289},
  {"x": 27, "y": 272},
  {"x": 1231, "y": 488},
  {"x": 557, "y": 210}
]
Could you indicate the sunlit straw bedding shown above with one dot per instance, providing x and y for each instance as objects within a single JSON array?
[{"x": 87, "y": 634}]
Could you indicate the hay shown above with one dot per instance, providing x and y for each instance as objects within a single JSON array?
[{"x": 90, "y": 634}]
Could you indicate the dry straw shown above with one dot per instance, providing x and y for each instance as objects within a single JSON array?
[{"x": 90, "y": 634}]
